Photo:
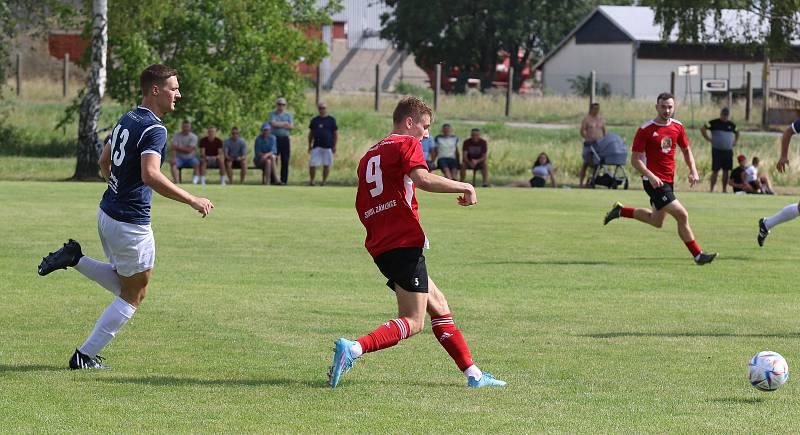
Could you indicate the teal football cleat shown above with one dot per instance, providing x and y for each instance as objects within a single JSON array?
[
  {"x": 342, "y": 361},
  {"x": 487, "y": 380}
]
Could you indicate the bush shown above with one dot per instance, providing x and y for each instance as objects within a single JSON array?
[
  {"x": 582, "y": 86},
  {"x": 16, "y": 142},
  {"x": 404, "y": 88}
]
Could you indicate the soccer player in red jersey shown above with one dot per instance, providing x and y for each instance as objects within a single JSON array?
[
  {"x": 654, "y": 157},
  {"x": 386, "y": 204}
]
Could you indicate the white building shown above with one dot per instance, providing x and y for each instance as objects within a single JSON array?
[
  {"x": 355, "y": 47},
  {"x": 623, "y": 45}
]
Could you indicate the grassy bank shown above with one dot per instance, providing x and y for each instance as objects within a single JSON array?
[{"x": 33, "y": 135}]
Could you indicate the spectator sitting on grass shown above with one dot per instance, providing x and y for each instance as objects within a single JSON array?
[
  {"x": 542, "y": 170},
  {"x": 759, "y": 184}
]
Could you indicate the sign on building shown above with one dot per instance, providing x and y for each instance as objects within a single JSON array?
[
  {"x": 688, "y": 70},
  {"x": 715, "y": 85}
]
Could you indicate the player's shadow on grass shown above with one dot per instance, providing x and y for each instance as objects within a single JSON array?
[
  {"x": 4, "y": 368},
  {"x": 690, "y": 334},
  {"x": 173, "y": 381}
]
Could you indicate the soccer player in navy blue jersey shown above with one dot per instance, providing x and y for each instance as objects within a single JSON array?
[
  {"x": 131, "y": 163},
  {"x": 791, "y": 211}
]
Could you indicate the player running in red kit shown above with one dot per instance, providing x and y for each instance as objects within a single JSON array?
[
  {"x": 387, "y": 206},
  {"x": 654, "y": 157}
]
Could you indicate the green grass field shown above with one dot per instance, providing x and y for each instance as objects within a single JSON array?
[{"x": 596, "y": 329}]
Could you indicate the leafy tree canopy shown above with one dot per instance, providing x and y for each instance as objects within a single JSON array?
[
  {"x": 469, "y": 34},
  {"x": 777, "y": 22},
  {"x": 233, "y": 57}
]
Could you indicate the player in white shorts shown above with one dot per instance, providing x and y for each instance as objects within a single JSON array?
[
  {"x": 131, "y": 163},
  {"x": 791, "y": 211}
]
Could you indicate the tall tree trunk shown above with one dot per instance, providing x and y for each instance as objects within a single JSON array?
[{"x": 88, "y": 141}]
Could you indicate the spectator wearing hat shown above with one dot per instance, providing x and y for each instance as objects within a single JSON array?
[
  {"x": 265, "y": 148},
  {"x": 235, "y": 155},
  {"x": 282, "y": 125},
  {"x": 323, "y": 135},
  {"x": 723, "y": 138}
]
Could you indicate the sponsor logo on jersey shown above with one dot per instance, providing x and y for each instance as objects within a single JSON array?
[{"x": 666, "y": 144}]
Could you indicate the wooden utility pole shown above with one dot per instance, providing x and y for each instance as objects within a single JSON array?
[
  {"x": 377, "y": 87},
  {"x": 318, "y": 89},
  {"x": 65, "y": 89},
  {"x": 592, "y": 87},
  {"x": 765, "y": 94},
  {"x": 672, "y": 82},
  {"x": 19, "y": 74},
  {"x": 510, "y": 90},
  {"x": 749, "y": 101},
  {"x": 437, "y": 87}
]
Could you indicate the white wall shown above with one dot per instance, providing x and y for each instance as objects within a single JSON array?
[
  {"x": 652, "y": 76},
  {"x": 612, "y": 62}
]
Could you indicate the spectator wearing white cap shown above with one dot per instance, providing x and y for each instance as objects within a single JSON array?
[
  {"x": 264, "y": 158},
  {"x": 323, "y": 135},
  {"x": 282, "y": 125}
]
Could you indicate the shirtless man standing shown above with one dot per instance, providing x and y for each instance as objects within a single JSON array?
[{"x": 593, "y": 128}]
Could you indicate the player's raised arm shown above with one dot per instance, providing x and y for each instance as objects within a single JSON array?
[
  {"x": 152, "y": 176},
  {"x": 430, "y": 182}
]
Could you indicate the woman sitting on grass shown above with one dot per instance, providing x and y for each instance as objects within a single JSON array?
[{"x": 542, "y": 170}]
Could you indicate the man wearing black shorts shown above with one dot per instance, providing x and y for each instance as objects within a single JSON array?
[
  {"x": 654, "y": 157},
  {"x": 386, "y": 203},
  {"x": 724, "y": 137}
]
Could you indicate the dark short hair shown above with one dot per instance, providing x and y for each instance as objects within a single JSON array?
[
  {"x": 412, "y": 107},
  {"x": 235, "y": 128},
  {"x": 155, "y": 74},
  {"x": 475, "y": 130},
  {"x": 186, "y": 121},
  {"x": 664, "y": 96},
  {"x": 756, "y": 160},
  {"x": 446, "y": 125}
]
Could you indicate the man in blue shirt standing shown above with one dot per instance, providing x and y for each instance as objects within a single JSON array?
[
  {"x": 323, "y": 135},
  {"x": 282, "y": 125},
  {"x": 131, "y": 163}
]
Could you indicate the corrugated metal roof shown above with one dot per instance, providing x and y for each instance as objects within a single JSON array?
[{"x": 639, "y": 23}]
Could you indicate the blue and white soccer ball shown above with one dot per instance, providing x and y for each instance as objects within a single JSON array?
[{"x": 767, "y": 371}]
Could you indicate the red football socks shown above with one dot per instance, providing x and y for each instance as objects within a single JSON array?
[
  {"x": 627, "y": 212},
  {"x": 387, "y": 335},
  {"x": 451, "y": 339},
  {"x": 694, "y": 248}
]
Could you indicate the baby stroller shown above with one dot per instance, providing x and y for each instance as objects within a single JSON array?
[{"x": 610, "y": 154}]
